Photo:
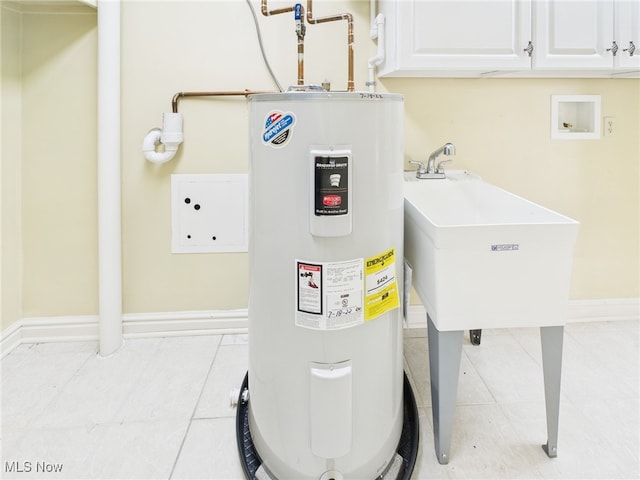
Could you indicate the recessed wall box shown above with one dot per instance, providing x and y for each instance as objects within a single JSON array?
[
  {"x": 209, "y": 213},
  {"x": 575, "y": 117}
]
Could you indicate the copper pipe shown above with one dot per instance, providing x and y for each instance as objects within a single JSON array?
[
  {"x": 300, "y": 33},
  {"x": 300, "y": 61},
  {"x": 179, "y": 95},
  {"x": 265, "y": 11},
  {"x": 332, "y": 18}
]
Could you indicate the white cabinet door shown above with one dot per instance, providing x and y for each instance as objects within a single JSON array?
[
  {"x": 455, "y": 37},
  {"x": 573, "y": 35},
  {"x": 627, "y": 23}
]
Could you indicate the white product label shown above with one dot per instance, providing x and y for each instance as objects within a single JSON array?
[
  {"x": 506, "y": 247},
  {"x": 330, "y": 295}
]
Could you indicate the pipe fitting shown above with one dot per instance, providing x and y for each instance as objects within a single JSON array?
[{"x": 170, "y": 136}]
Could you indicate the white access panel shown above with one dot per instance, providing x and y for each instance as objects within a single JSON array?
[
  {"x": 627, "y": 26},
  {"x": 209, "y": 213},
  {"x": 331, "y": 407}
]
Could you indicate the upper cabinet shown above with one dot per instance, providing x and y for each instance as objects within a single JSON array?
[
  {"x": 527, "y": 38},
  {"x": 627, "y": 22},
  {"x": 573, "y": 35},
  {"x": 591, "y": 38},
  {"x": 455, "y": 38}
]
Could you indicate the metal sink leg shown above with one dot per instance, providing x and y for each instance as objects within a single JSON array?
[
  {"x": 551, "y": 339},
  {"x": 445, "y": 350}
]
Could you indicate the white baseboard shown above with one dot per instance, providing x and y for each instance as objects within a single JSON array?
[
  {"x": 168, "y": 324},
  {"x": 134, "y": 325},
  {"x": 11, "y": 338},
  {"x": 614, "y": 309},
  {"x": 416, "y": 317},
  {"x": 55, "y": 329},
  {"x": 217, "y": 322}
]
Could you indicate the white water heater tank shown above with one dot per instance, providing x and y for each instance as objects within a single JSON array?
[{"x": 326, "y": 264}]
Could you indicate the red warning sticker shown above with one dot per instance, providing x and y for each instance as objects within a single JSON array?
[{"x": 332, "y": 200}]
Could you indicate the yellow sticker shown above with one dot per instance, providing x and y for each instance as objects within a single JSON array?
[{"x": 381, "y": 294}]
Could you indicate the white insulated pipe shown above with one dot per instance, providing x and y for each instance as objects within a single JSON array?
[
  {"x": 377, "y": 32},
  {"x": 170, "y": 136},
  {"x": 109, "y": 190},
  {"x": 373, "y": 32}
]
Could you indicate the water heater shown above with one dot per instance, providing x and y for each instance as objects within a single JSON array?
[{"x": 324, "y": 397}]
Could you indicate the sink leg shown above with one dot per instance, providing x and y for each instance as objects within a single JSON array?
[
  {"x": 445, "y": 350},
  {"x": 551, "y": 340}
]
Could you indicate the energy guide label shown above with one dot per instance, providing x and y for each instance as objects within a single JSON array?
[
  {"x": 329, "y": 295},
  {"x": 382, "y": 285}
]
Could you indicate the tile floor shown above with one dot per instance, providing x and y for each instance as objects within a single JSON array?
[{"x": 160, "y": 408}]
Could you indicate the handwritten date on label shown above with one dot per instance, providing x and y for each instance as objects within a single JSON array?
[{"x": 376, "y": 96}]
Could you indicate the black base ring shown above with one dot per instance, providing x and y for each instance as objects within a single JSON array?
[{"x": 407, "y": 447}]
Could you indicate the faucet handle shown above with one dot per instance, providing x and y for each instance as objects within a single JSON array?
[
  {"x": 421, "y": 167},
  {"x": 440, "y": 168}
]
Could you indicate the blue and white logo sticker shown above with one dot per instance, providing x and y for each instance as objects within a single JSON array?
[{"x": 277, "y": 128}]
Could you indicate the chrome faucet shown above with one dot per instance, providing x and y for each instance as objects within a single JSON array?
[
  {"x": 448, "y": 149},
  {"x": 431, "y": 171}
]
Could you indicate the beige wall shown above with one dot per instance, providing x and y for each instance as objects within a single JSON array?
[
  {"x": 59, "y": 170},
  {"x": 500, "y": 128},
  {"x": 10, "y": 169},
  {"x": 49, "y": 263}
]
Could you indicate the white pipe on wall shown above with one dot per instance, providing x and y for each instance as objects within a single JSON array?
[
  {"x": 170, "y": 136},
  {"x": 373, "y": 32},
  {"x": 378, "y": 27},
  {"x": 109, "y": 202}
]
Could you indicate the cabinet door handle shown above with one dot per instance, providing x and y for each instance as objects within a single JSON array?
[
  {"x": 613, "y": 49},
  {"x": 529, "y": 48},
  {"x": 631, "y": 49}
]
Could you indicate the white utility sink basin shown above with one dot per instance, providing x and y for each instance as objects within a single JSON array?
[{"x": 483, "y": 257}]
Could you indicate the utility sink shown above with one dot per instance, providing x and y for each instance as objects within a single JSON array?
[{"x": 483, "y": 257}]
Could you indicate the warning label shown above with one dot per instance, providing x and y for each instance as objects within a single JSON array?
[
  {"x": 333, "y": 295},
  {"x": 310, "y": 288},
  {"x": 329, "y": 295},
  {"x": 381, "y": 284}
]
